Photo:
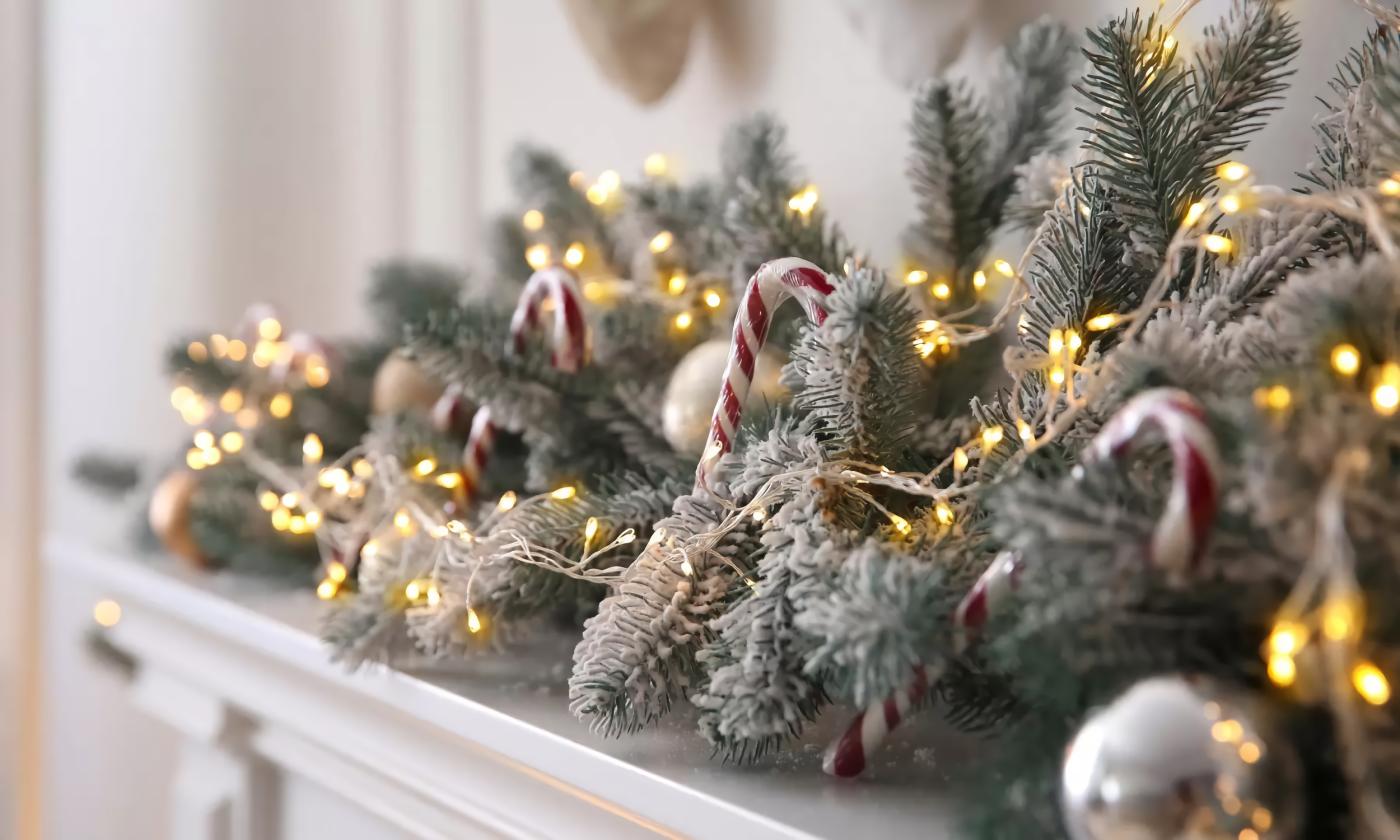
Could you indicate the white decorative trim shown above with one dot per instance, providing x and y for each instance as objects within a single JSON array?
[{"x": 485, "y": 754}]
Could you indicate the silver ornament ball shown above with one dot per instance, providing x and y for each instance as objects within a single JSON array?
[
  {"x": 694, "y": 388},
  {"x": 1180, "y": 758}
]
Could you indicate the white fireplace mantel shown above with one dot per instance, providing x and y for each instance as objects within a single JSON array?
[{"x": 485, "y": 750}]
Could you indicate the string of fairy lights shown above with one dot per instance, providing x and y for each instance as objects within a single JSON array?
[
  {"x": 270, "y": 366},
  {"x": 291, "y": 510}
]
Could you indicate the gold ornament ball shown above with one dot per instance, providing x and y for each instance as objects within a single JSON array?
[
  {"x": 401, "y": 386},
  {"x": 170, "y": 516},
  {"x": 694, "y": 388}
]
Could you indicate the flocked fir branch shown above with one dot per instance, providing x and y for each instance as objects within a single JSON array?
[{"x": 966, "y": 152}]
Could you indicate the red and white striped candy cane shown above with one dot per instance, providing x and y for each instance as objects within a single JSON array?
[
  {"x": 849, "y": 754},
  {"x": 569, "y": 342},
  {"x": 480, "y": 441},
  {"x": 1179, "y": 539},
  {"x": 296, "y": 348},
  {"x": 253, "y": 316},
  {"x": 299, "y": 348},
  {"x": 773, "y": 283},
  {"x": 568, "y": 349},
  {"x": 1180, "y": 535},
  {"x": 986, "y": 594},
  {"x": 449, "y": 410}
]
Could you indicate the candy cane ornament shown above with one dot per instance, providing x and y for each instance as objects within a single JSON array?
[
  {"x": 849, "y": 754},
  {"x": 480, "y": 441},
  {"x": 1180, "y": 536},
  {"x": 1178, "y": 543},
  {"x": 449, "y": 411},
  {"x": 294, "y": 349},
  {"x": 250, "y": 328},
  {"x": 998, "y": 581},
  {"x": 568, "y": 350},
  {"x": 569, "y": 339},
  {"x": 774, "y": 282},
  {"x": 299, "y": 348}
]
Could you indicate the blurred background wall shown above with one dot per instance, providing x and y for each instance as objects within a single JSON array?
[{"x": 198, "y": 155}]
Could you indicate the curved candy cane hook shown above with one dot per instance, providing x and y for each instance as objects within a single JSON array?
[
  {"x": 770, "y": 286},
  {"x": 480, "y": 441},
  {"x": 568, "y": 350},
  {"x": 569, "y": 339},
  {"x": 1180, "y": 536}
]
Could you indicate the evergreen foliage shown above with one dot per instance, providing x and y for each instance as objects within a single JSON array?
[
  {"x": 826, "y": 557},
  {"x": 759, "y": 601},
  {"x": 966, "y": 151}
]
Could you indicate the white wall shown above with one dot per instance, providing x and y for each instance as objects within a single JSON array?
[
  {"x": 199, "y": 155},
  {"x": 202, "y": 154},
  {"x": 798, "y": 59},
  {"x": 801, "y": 60}
]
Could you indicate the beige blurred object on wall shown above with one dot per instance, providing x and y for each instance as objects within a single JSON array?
[
  {"x": 914, "y": 39},
  {"x": 640, "y": 46}
]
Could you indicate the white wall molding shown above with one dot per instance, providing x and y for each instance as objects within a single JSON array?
[
  {"x": 493, "y": 753},
  {"x": 440, "y": 109}
]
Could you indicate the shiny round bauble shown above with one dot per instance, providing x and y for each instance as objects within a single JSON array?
[
  {"x": 169, "y": 514},
  {"x": 1174, "y": 757},
  {"x": 401, "y": 386},
  {"x": 694, "y": 389}
]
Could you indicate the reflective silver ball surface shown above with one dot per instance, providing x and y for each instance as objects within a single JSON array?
[{"x": 1179, "y": 758}]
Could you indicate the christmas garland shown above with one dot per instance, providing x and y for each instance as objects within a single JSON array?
[{"x": 1147, "y": 552}]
